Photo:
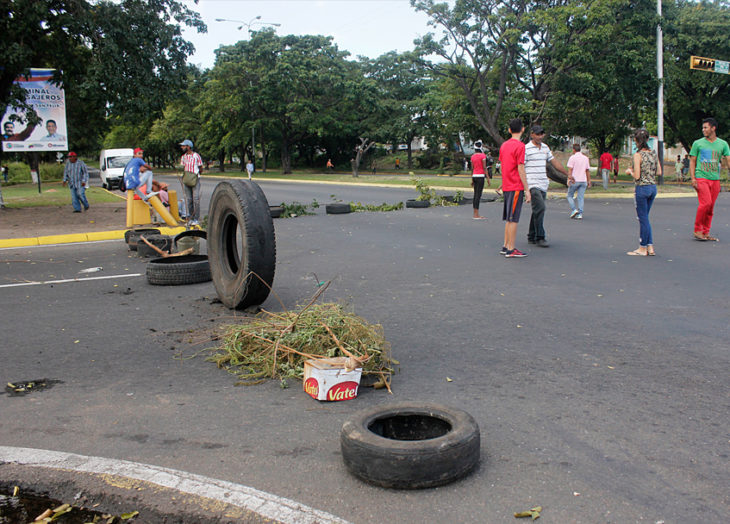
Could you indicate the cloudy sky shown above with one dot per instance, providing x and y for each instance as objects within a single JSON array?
[{"x": 362, "y": 27}]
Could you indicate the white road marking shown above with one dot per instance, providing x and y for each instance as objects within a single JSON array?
[
  {"x": 34, "y": 283},
  {"x": 265, "y": 504}
]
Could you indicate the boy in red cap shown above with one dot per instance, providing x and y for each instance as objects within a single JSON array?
[{"x": 138, "y": 173}]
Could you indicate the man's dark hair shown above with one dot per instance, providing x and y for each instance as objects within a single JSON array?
[
  {"x": 6, "y": 124},
  {"x": 49, "y": 121},
  {"x": 515, "y": 125},
  {"x": 576, "y": 147},
  {"x": 711, "y": 121}
]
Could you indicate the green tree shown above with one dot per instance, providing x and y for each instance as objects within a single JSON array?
[
  {"x": 119, "y": 58},
  {"x": 299, "y": 90},
  {"x": 700, "y": 29},
  {"x": 402, "y": 83}
]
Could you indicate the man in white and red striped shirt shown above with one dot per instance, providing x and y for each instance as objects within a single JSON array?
[{"x": 192, "y": 165}]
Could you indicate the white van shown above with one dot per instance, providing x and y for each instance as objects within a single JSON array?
[{"x": 111, "y": 166}]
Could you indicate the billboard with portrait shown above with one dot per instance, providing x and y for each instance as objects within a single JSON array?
[{"x": 49, "y": 102}]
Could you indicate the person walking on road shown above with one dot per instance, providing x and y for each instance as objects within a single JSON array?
[
  {"x": 615, "y": 166},
  {"x": 645, "y": 169},
  {"x": 192, "y": 164},
  {"x": 76, "y": 176},
  {"x": 250, "y": 169},
  {"x": 605, "y": 160},
  {"x": 704, "y": 171},
  {"x": 514, "y": 183},
  {"x": 537, "y": 155},
  {"x": 478, "y": 175},
  {"x": 579, "y": 178}
]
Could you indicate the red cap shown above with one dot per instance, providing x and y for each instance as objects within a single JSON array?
[
  {"x": 72, "y": 153},
  {"x": 138, "y": 150}
]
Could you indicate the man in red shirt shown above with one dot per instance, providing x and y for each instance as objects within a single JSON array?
[
  {"x": 514, "y": 182},
  {"x": 606, "y": 161}
]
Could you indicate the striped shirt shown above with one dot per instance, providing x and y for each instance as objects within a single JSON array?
[
  {"x": 75, "y": 173},
  {"x": 536, "y": 160},
  {"x": 192, "y": 162}
]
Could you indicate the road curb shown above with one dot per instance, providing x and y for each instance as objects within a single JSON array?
[
  {"x": 137, "y": 478},
  {"x": 97, "y": 236}
]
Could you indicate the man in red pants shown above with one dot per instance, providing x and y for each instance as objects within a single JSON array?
[{"x": 705, "y": 160}]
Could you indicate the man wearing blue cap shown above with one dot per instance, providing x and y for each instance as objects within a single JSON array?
[{"x": 192, "y": 166}]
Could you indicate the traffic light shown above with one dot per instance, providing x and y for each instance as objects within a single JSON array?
[{"x": 703, "y": 64}]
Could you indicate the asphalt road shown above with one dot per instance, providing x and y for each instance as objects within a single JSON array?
[{"x": 599, "y": 381}]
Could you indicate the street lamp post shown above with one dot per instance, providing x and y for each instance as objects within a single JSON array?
[{"x": 254, "y": 21}]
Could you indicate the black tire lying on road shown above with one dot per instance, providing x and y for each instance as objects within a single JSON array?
[
  {"x": 338, "y": 208},
  {"x": 410, "y": 445},
  {"x": 131, "y": 236},
  {"x": 163, "y": 242},
  {"x": 276, "y": 211},
  {"x": 417, "y": 203},
  {"x": 241, "y": 243},
  {"x": 178, "y": 271}
]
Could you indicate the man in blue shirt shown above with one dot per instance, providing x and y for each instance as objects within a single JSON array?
[
  {"x": 76, "y": 175},
  {"x": 138, "y": 173}
]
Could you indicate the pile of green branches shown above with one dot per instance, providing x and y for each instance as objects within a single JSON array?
[{"x": 276, "y": 345}]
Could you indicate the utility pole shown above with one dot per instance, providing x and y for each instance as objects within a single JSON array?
[{"x": 660, "y": 96}]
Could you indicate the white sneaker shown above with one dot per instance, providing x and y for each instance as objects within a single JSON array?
[
  {"x": 572, "y": 215},
  {"x": 194, "y": 223},
  {"x": 150, "y": 195},
  {"x": 579, "y": 216}
]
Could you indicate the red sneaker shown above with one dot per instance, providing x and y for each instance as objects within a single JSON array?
[{"x": 515, "y": 253}]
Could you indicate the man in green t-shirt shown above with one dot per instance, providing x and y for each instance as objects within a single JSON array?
[{"x": 705, "y": 160}]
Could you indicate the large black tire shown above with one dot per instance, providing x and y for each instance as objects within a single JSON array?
[
  {"x": 410, "y": 445},
  {"x": 241, "y": 243},
  {"x": 555, "y": 175},
  {"x": 177, "y": 271},
  {"x": 131, "y": 236},
  {"x": 338, "y": 208},
  {"x": 417, "y": 203},
  {"x": 163, "y": 242},
  {"x": 276, "y": 211}
]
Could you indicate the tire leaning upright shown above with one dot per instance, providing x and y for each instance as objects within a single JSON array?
[{"x": 241, "y": 241}]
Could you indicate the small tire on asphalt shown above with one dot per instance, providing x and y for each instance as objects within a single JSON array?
[
  {"x": 163, "y": 242},
  {"x": 410, "y": 445},
  {"x": 338, "y": 208},
  {"x": 131, "y": 236},
  {"x": 417, "y": 203},
  {"x": 276, "y": 211},
  {"x": 241, "y": 244},
  {"x": 177, "y": 271}
]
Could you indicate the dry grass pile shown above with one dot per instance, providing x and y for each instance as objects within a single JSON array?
[{"x": 275, "y": 345}]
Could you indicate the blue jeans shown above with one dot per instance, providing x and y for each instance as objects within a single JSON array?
[
  {"x": 78, "y": 197},
  {"x": 192, "y": 201},
  {"x": 580, "y": 187},
  {"x": 644, "y": 198}
]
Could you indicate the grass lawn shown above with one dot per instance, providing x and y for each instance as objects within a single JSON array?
[{"x": 52, "y": 194}]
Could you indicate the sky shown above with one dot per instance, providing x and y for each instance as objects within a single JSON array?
[{"x": 361, "y": 27}]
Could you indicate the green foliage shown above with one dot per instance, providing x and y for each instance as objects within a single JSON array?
[
  {"x": 19, "y": 173},
  {"x": 700, "y": 29},
  {"x": 277, "y": 345},
  {"x": 122, "y": 58},
  {"x": 370, "y": 207},
  {"x": 297, "y": 209}
]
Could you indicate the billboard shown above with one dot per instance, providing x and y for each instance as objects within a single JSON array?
[{"x": 49, "y": 102}]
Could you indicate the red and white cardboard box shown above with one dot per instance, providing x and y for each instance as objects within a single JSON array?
[{"x": 327, "y": 379}]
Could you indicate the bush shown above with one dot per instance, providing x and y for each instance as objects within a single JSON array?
[{"x": 19, "y": 173}]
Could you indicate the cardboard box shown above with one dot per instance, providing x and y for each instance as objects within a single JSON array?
[{"x": 327, "y": 379}]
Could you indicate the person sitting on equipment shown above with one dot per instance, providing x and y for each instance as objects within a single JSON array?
[{"x": 138, "y": 174}]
